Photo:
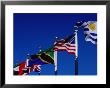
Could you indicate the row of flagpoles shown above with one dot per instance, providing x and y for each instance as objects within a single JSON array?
[{"x": 49, "y": 56}]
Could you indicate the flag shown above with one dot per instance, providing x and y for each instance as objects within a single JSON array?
[
  {"x": 22, "y": 69},
  {"x": 90, "y": 30},
  {"x": 33, "y": 62},
  {"x": 43, "y": 57},
  {"x": 37, "y": 68},
  {"x": 18, "y": 70},
  {"x": 27, "y": 70},
  {"x": 67, "y": 44},
  {"x": 35, "y": 59},
  {"x": 47, "y": 55}
]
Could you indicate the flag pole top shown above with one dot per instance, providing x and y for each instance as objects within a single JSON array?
[
  {"x": 56, "y": 37},
  {"x": 40, "y": 50},
  {"x": 28, "y": 54},
  {"x": 76, "y": 27}
]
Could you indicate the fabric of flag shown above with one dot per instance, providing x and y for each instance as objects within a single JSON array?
[
  {"x": 27, "y": 70},
  {"x": 37, "y": 68},
  {"x": 67, "y": 44},
  {"x": 18, "y": 70},
  {"x": 47, "y": 55},
  {"x": 35, "y": 59},
  {"x": 22, "y": 69},
  {"x": 21, "y": 66},
  {"x": 90, "y": 30},
  {"x": 43, "y": 57}
]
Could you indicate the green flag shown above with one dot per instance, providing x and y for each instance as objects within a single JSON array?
[{"x": 47, "y": 55}]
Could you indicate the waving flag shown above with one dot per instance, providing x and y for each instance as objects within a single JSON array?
[
  {"x": 90, "y": 30},
  {"x": 24, "y": 69},
  {"x": 21, "y": 70},
  {"x": 67, "y": 44},
  {"x": 33, "y": 62},
  {"x": 47, "y": 55},
  {"x": 18, "y": 70},
  {"x": 35, "y": 59}
]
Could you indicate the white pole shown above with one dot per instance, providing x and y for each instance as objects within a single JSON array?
[
  {"x": 76, "y": 43},
  {"x": 76, "y": 53},
  {"x": 55, "y": 61},
  {"x": 27, "y": 62}
]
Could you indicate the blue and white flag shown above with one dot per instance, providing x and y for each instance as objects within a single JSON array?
[{"x": 90, "y": 30}]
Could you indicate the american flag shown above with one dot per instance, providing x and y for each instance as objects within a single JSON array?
[{"x": 67, "y": 44}]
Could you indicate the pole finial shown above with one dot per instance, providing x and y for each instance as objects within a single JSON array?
[
  {"x": 27, "y": 54},
  {"x": 40, "y": 50},
  {"x": 75, "y": 28}
]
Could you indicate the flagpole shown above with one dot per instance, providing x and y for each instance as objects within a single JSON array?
[
  {"x": 76, "y": 54},
  {"x": 38, "y": 73},
  {"x": 76, "y": 66},
  {"x": 27, "y": 60},
  {"x": 55, "y": 60}
]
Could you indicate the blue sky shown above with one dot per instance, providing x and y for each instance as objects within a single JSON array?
[{"x": 34, "y": 30}]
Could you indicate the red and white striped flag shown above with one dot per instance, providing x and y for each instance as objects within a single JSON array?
[
  {"x": 69, "y": 45},
  {"x": 70, "y": 48}
]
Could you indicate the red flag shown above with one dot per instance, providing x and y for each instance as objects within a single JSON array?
[{"x": 21, "y": 67}]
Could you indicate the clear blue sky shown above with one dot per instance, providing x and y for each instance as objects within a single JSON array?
[{"x": 34, "y": 30}]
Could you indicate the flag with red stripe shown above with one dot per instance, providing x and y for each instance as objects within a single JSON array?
[
  {"x": 22, "y": 69},
  {"x": 67, "y": 44}
]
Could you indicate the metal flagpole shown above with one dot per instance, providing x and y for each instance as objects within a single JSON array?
[
  {"x": 27, "y": 60},
  {"x": 38, "y": 73},
  {"x": 55, "y": 60},
  {"x": 76, "y": 54}
]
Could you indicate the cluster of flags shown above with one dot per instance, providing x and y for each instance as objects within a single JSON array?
[
  {"x": 33, "y": 62},
  {"x": 49, "y": 56}
]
